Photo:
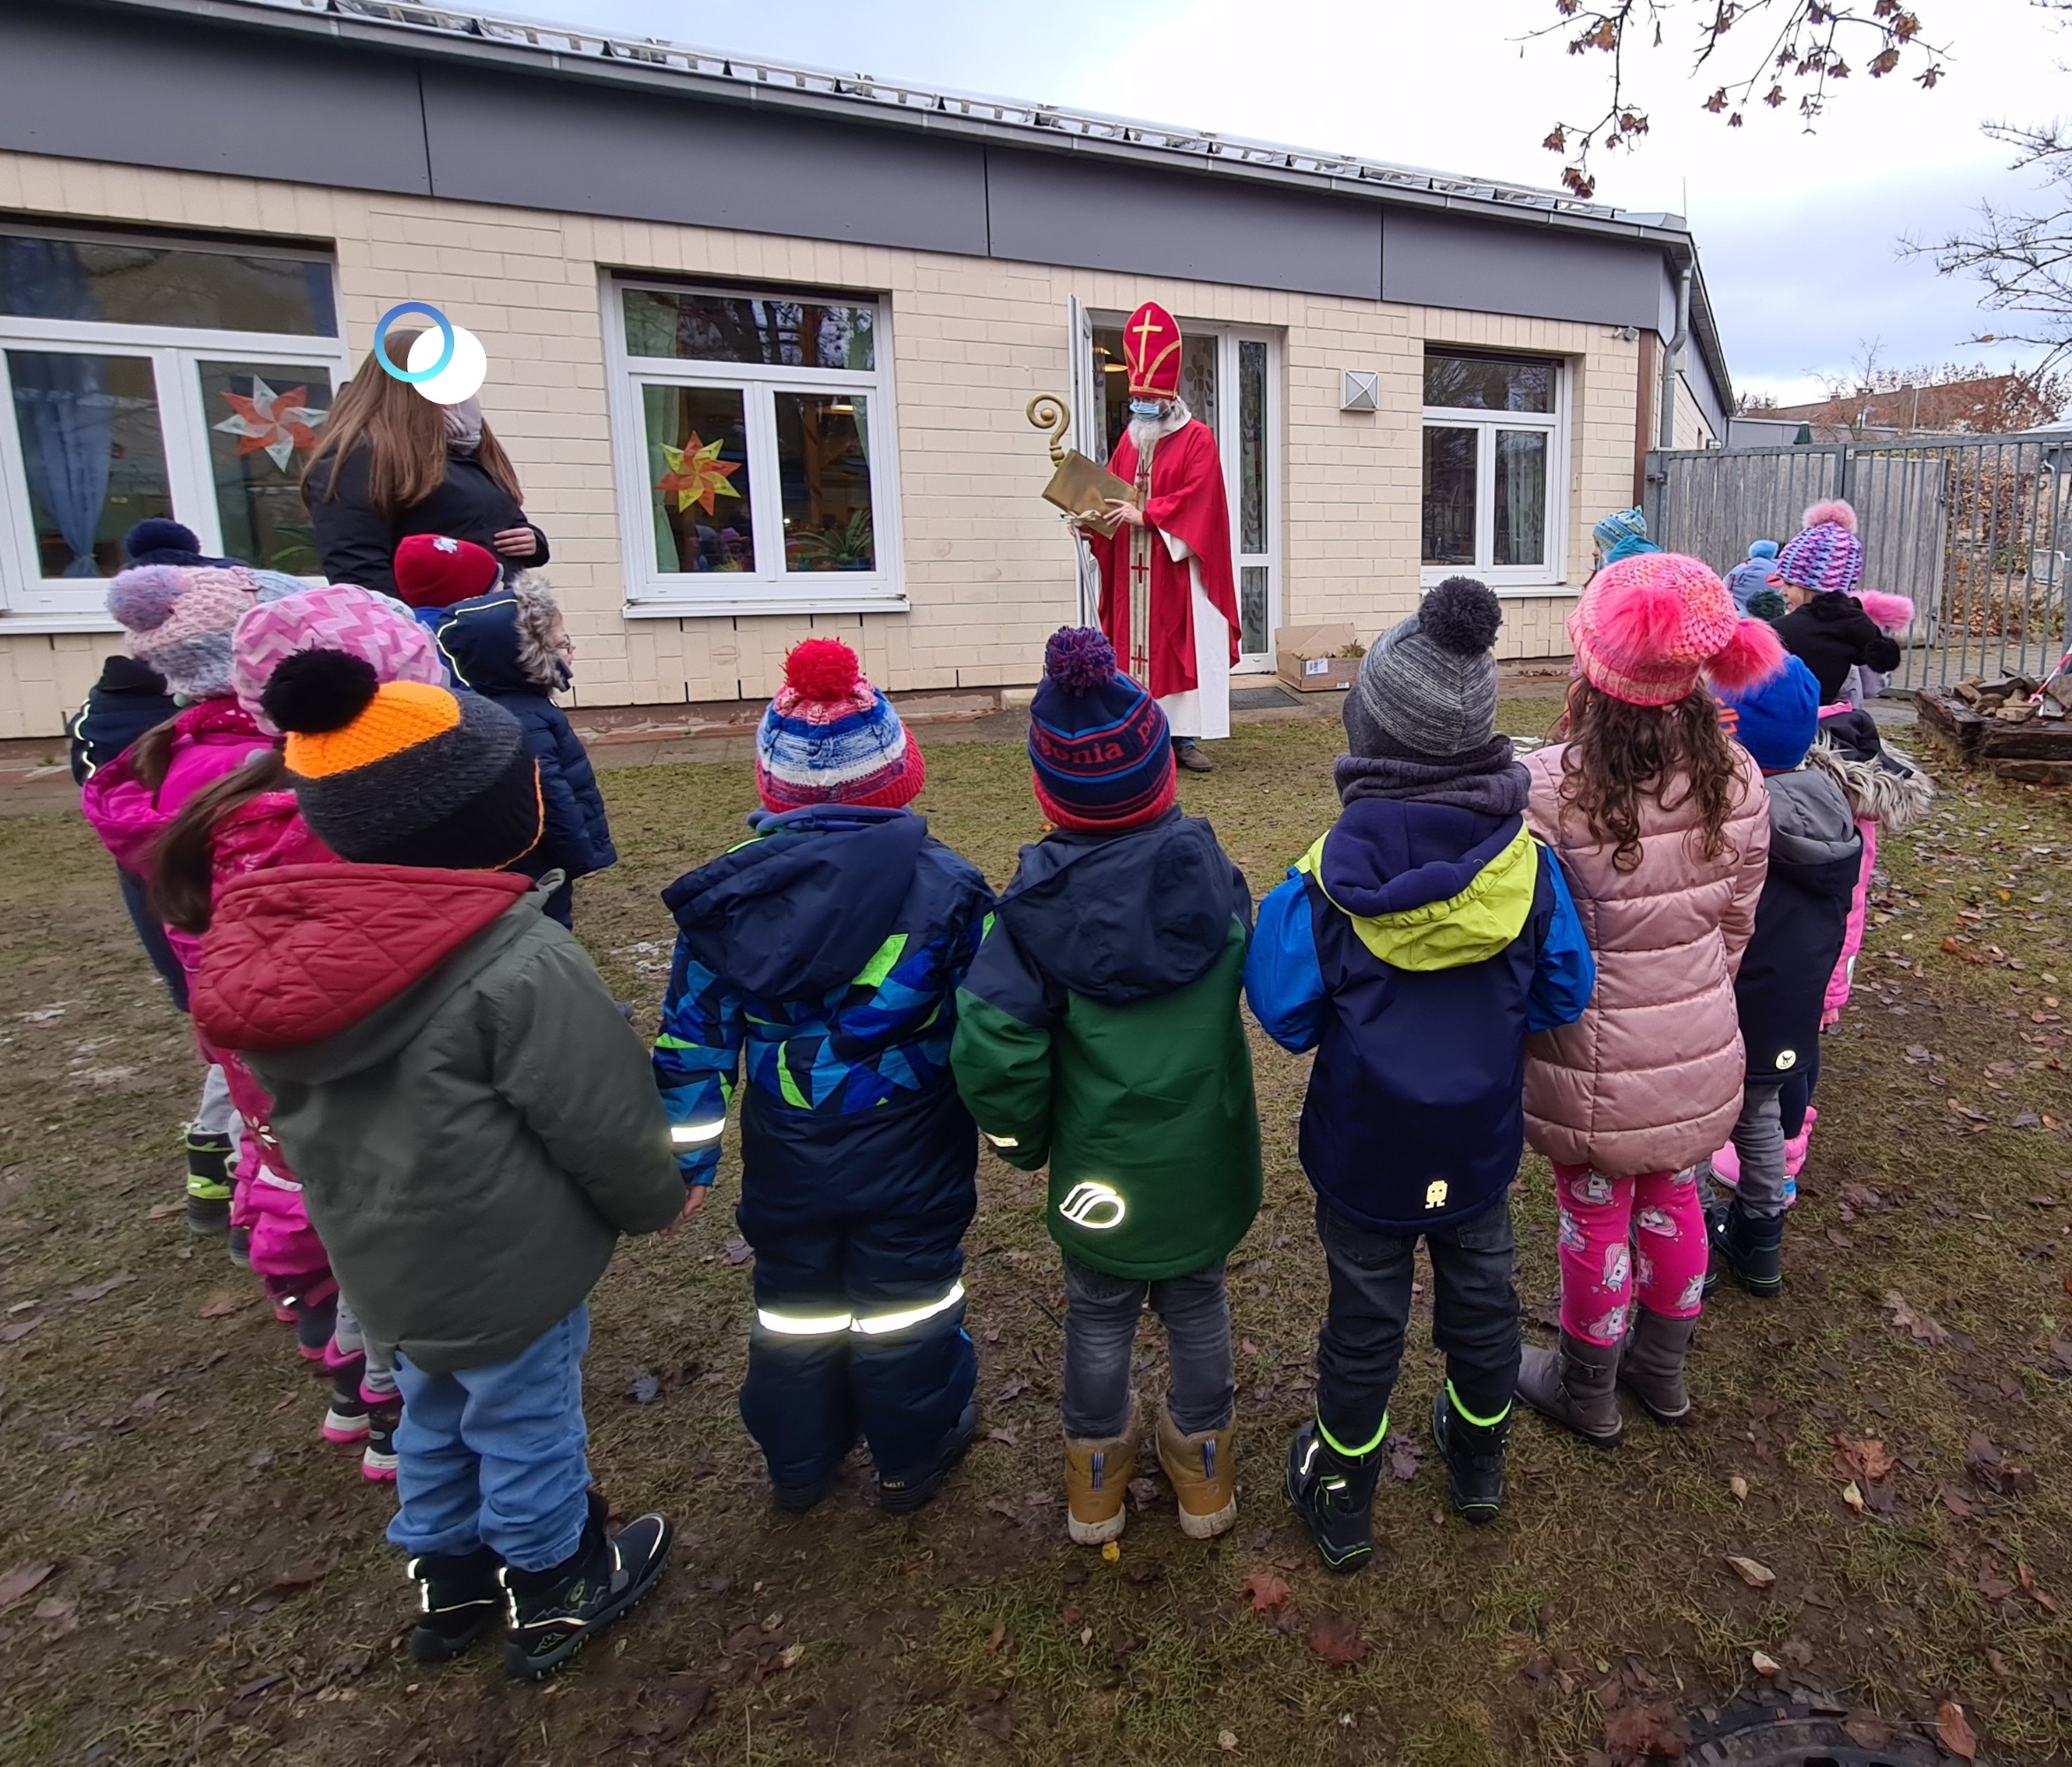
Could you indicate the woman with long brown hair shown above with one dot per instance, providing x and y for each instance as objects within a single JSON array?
[
  {"x": 391, "y": 464},
  {"x": 1662, "y": 825}
]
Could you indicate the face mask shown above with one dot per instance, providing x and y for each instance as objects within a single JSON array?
[
  {"x": 464, "y": 427},
  {"x": 1147, "y": 407}
]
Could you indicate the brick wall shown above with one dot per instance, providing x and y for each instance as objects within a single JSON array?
[{"x": 988, "y": 569}]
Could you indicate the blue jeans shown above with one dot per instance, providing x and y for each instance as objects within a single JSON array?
[
  {"x": 494, "y": 1457},
  {"x": 1101, "y": 1315}
]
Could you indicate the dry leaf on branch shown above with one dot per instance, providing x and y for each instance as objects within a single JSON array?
[{"x": 1752, "y": 1572}]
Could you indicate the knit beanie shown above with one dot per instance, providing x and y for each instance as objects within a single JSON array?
[
  {"x": 830, "y": 736},
  {"x": 1100, "y": 745},
  {"x": 400, "y": 773},
  {"x": 336, "y": 617},
  {"x": 1627, "y": 523},
  {"x": 1767, "y": 605},
  {"x": 1763, "y": 548},
  {"x": 159, "y": 539},
  {"x": 1648, "y": 627},
  {"x": 180, "y": 617},
  {"x": 1776, "y": 720},
  {"x": 433, "y": 571},
  {"x": 1825, "y": 553},
  {"x": 1428, "y": 686}
]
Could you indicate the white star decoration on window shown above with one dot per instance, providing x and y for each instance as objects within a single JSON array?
[{"x": 273, "y": 423}]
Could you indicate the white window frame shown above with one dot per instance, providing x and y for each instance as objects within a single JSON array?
[
  {"x": 652, "y": 594},
  {"x": 33, "y": 602},
  {"x": 1504, "y": 578}
]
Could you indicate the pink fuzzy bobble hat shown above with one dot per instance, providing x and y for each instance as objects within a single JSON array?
[{"x": 1650, "y": 627}]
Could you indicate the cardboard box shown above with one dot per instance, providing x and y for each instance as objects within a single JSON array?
[{"x": 1307, "y": 659}]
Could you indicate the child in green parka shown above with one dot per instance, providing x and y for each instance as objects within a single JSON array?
[{"x": 1098, "y": 1030}]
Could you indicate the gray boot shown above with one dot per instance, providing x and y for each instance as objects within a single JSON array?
[
  {"x": 1574, "y": 1386},
  {"x": 1653, "y": 1368}
]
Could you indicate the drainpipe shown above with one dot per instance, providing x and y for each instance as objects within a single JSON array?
[{"x": 1674, "y": 350}]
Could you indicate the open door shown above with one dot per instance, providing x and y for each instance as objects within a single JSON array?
[{"x": 1086, "y": 438}]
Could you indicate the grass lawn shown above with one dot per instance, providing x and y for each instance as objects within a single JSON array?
[{"x": 222, "y": 1591}]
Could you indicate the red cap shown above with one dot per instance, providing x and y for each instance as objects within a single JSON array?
[
  {"x": 434, "y": 572},
  {"x": 1150, "y": 346}
]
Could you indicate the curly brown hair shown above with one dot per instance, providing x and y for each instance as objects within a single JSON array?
[{"x": 1619, "y": 755}]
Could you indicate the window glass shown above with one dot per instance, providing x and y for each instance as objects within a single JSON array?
[
  {"x": 1489, "y": 382},
  {"x": 1521, "y": 497},
  {"x": 1449, "y": 495},
  {"x": 724, "y": 328},
  {"x": 263, "y": 422},
  {"x": 1251, "y": 609},
  {"x": 143, "y": 284},
  {"x": 824, "y": 466},
  {"x": 698, "y": 478},
  {"x": 90, "y": 440},
  {"x": 1251, "y": 456}
]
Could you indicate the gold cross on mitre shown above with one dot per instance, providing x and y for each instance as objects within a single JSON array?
[{"x": 1150, "y": 338}]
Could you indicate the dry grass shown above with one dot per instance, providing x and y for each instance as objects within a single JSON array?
[{"x": 223, "y": 1593}]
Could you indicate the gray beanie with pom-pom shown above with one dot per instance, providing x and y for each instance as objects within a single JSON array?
[{"x": 1428, "y": 686}]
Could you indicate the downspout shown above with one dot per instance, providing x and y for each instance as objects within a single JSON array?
[{"x": 1674, "y": 350}]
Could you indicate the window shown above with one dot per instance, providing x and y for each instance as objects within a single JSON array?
[
  {"x": 1494, "y": 497},
  {"x": 754, "y": 446},
  {"x": 142, "y": 377}
]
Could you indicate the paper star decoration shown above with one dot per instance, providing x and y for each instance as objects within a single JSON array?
[
  {"x": 273, "y": 423},
  {"x": 696, "y": 474}
]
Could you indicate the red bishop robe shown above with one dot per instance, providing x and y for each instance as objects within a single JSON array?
[{"x": 1186, "y": 501}]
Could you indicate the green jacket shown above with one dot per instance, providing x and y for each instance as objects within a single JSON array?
[
  {"x": 473, "y": 1123},
  {"x": 1099, "y": 1030}
]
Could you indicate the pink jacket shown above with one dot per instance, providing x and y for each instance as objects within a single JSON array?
[
  {"x": 212, "y": 738},
  {"x": 1649, "y": 1078}
]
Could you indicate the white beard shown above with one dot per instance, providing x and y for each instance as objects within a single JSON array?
[{"x": 1143, "y": 431}]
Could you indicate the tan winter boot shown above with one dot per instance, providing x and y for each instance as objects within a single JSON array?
[
  {"x": 1204, "y": 1473},
  {"x": 1097, "y": 1473},
  {"x": 1573, "y": 1386}
]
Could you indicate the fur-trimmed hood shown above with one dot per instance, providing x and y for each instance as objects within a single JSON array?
[
  {"x": 502, "y": 642},
  {"x": 1882, "y": 785}
]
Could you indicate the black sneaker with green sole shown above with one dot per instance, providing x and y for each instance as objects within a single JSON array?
[
  {"x": 1334, "y": 1494},
  {"x": 554, "y": 1613}
]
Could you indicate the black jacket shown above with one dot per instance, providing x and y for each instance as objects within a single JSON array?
[
  {"x": 129, "y": 699},
  {"x": 356, "y": 543},
  {"x": 1815, "y": 854},
  {"x": 1832, "y": 634}
]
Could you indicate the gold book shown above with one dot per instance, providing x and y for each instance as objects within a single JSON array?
[{"x": 1082, "y": 488}]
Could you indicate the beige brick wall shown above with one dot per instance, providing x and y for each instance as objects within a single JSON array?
[{"x": 988, "y": 569}]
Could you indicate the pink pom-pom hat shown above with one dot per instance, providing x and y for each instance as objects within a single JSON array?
[
  {"x": 336, "y": 617},
  {"x": 1826, "y": 554},
  {"x": 1650, "y": 627}
]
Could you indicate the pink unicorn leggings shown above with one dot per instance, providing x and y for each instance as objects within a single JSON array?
[{"x": 1623, "y": 1234}]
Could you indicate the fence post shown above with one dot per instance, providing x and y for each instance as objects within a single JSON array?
[{"x": 1845, "y": 472}]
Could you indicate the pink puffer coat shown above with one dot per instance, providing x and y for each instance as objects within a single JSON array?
[
  {"x": 1649, "y": 1078},
  {"x": 211, "y": 738}
]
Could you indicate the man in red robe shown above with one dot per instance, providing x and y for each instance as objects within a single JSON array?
[{"x": 1168, "y": 595}]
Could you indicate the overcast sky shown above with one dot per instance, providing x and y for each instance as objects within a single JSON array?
[{"x": 1800, "y": 232}]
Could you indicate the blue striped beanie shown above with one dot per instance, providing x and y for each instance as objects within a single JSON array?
[
  {"x": 1101, "y": 747},
  {"x": 830, "y": 736},
  {"x": 1627, "y": 523}
]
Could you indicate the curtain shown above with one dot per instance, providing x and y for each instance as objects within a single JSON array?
[
  {"x": 1521, "y": 497},
  {"x": 61, "y": 401}
]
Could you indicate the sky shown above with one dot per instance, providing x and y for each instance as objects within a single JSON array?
[{"x": 1800, "y": 232}]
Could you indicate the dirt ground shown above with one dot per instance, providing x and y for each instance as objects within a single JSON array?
[{"x": 187, "y": 1573}]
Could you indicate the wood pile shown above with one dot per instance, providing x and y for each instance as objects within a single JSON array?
[{"x": 2015, "y": 728}]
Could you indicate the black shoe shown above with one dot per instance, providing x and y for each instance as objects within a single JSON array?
[
  {"x": 1474, "y": 1454},
  {"x": 240, "y": 1248},
  {"x": 377, "y": 1459},
  {"x": 554, "y": 1613},
  {"x": 797, "y": 1500},
  {"x": 208, "y": 1183},
  {"x": 904, "y": 1495},
  {"x": 1716, "y": 1259},
  {"x": 1186, "y": 755},
  {"x": 1334, "y": 1494},
  {"x": 1752, "y": 1249},
  {"x": 314, "y": 1322},
  {"x": 460, "y": 1600}
]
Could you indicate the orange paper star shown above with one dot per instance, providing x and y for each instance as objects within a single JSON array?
[{"x": 696, "y": 474}]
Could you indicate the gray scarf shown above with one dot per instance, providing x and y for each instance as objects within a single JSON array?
[{"x": 1486, "y": 780}]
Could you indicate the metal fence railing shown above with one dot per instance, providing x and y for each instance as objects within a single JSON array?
[{"x": 1975, "y": 531}]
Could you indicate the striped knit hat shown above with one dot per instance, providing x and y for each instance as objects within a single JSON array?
[
  {"x": 1627, "y": 523},
  {"x": 1102, "y": 749},
  {"x": 1648, "y": 627},
  {"x": 1826, "y": 554},
  {"x": 179, "y": 618},
  {"x": 400, "y": 773},
  {"x": 336, "y": 617},
  {"x": 830, "y": 736}
]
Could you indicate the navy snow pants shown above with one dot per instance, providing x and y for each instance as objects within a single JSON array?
[{"x": 858, "y": 1225}]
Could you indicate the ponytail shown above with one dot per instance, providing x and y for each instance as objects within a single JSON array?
[
  {"x": 183, "y": 872},
  {"x": 151, "y": 755}
]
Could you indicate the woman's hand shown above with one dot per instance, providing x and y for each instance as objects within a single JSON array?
[{"x": 517, "y": 543}]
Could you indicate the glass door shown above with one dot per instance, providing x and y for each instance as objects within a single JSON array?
[{"x": 1230, "y": 380}]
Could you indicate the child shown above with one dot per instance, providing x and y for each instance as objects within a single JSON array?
[
  {"x": 1623, "y": 534},
  {"x": 1814, "y": 849},
  {"x": 474, "y": 1127},
  {"x": 1413, "y": 947},
  {"x": 1752, "y": 574},
  {"x": 1663, "y": 825},
  {"x": 178, "y": 621},
  {"x": 1099, "y": 1031},
  {"x": 831, "y": 942},
  {"x": 245, "y": 823},
  {"x": 434, "y": 573},
  {"x": 512, "y": 646},
  {"x": 1831, "y": 630}
]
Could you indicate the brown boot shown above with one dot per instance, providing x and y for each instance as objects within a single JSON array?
[
  {"x": 1098, "y": 1472},
  {"x": 1651, "y": 1370},
  {"x": 1203, "y": 1475},
  {"x": 1574, "y": 1386}
]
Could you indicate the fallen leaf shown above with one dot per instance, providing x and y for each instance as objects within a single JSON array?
[
  {"x": 645, "y": 1389},
  {"x": 1642, "y": 1734},
  {"x": 1953, "y": 1731},
  {"x": 1336, "y": 1638},
  {"x": 993, "y": 1719},
  {"x": 22, "y": 1579},
  {"x": 1403, "y": 1457},
  {"x": 788, "y": 1657},
  {"x": 94, "y": 1291},
  {"x": 1007, "y": 1437},
  {"x": 1752, "y": 1572},
  {"x": 1955, "y": 1501},
  {"x": 1110, "y": 1551},
  {"x": 220, "y": 1305},
  {"x": 1267, "y": 1592},
  {"x": 1919, "y": 1326},
  {"x": 1867, "y": 1730},
  {"x": 1739, "y": 1486},
  {"x": 1995, "y": 1588},
  {"x": 1853, "y": 1496},
  {"x": 1855, "y": 1460},
  {"x": 738, "y": 1252},
  {"x": 304, "y": 1577},
  {"x": 15, "y": 1332},
  {"x": 1225, "y": 1741},
  {"x": 1763, "y": 1664}
]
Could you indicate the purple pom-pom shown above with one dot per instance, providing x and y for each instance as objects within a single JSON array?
[
  {"x": 141, "y": 598},
  {"x": 1079, "y": 659}
]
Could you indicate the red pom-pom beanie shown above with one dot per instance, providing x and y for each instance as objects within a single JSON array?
[{"x": 830, "y": 736}]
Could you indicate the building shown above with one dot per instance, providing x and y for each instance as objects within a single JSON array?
[
  {"x": 854, "y": 287},
  {"x": 1975, "y": 405}
]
